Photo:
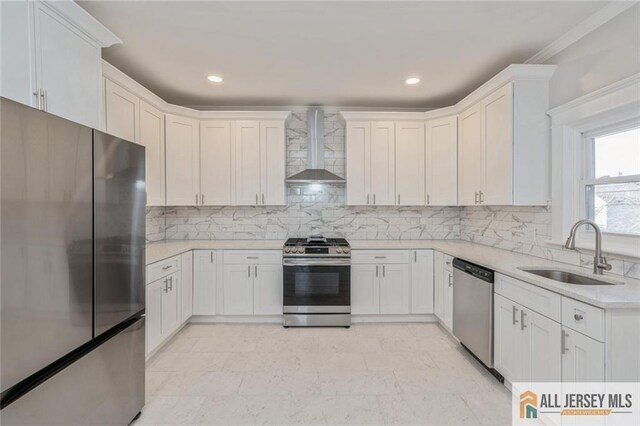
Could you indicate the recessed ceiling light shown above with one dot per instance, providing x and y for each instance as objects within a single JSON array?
[
  {"x": 412, "y": 80},
  {"x": 215, "y": 78}
]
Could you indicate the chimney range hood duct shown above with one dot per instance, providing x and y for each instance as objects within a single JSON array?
[{"x": 315, "y": 171}]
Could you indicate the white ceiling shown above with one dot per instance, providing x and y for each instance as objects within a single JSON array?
[{"x": 349, "y": 54}]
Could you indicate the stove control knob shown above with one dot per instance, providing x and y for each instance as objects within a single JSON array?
[
  {"x": 338, "y": 249},
  {"x": 346, "y": 250},
  {"x": 300, "y": 249},
  {"x": 287, "y": 249}
]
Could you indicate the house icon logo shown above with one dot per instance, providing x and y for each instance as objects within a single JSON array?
[{"x": 528, "y": 405}]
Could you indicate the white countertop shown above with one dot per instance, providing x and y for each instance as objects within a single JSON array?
[{"x": 505, "y": 262}]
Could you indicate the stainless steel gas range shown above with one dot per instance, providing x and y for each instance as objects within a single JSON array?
[{"x": 317, "y": 282}]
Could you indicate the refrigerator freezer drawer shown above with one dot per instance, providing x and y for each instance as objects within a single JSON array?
[{"x": 105, "y": 387}]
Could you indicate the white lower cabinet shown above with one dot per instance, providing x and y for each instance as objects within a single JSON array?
[
  {"x": 365, "y": 289},
  {"x": 380, "y": 288},
  {"x": 162, "y": 309},
  {"x": 186, "y": 286},
  {"x": 170, "y": 304},
  {"x": 582, "y": 358},
  {"x": 153, "y": 312},
  {"x": 204, "y": 282},
  {"x": 252, "y": 282},
  {"x": 443, "y": 289},
  {"x": 267, "y": 290},
  {"x": 422, "y": 282},
  {"x": 238, "y": 290},
  {"x": 507, "y": 339}
]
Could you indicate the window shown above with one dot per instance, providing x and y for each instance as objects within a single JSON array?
[{"x": 610, "y": 188}]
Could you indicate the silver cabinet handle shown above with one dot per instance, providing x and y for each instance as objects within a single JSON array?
[
  {"x": 211, "y": 257},
  {"x": 166, "y": 286},
  {"x": 46, "y": 101},
  {"x": 415, "y": 256},
  {"x": 450, "y": 280},
  {"x": 563, "y": 342},
  {"x": 249, "y": 271},
  {"x": 398, "y": 198},
  {"x": 522, "y": 315},
  {"x": 578, "y": 317},
  {"x": 253, "y": 257},
  {"x": 448, "y": 262},
  {"x": 367, "y": 198},
  {"x": 255, "y": 271},
  {"x": 376, "y": 270},
  {"x": 476, "y": 198},
  {"x": 515, "y": 321},
  {"x": 481, "y": 197},
  {"x": 262, "y": 198},
  {"x": 380, "y": 257},
  {"x": 201, "y": 198},
  {"x": 164, "y": 268},
  {"x": 428, "y": 201},
  {"x": 196, "y": 199},
  {"x": 256, "y": 199},
  {"x": 374, "y": 199},
  {"x": 171, "y": 283},
  {"x": 37, "y": 95},
  {"x": 384, "y": 271}
]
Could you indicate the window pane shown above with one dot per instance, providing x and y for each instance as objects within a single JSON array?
[
  {"x": 615, "y": 207},
  {"x": 617, "y": 154}
]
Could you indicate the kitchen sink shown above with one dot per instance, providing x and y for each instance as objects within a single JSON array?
[{"x": 567, "y": 277}]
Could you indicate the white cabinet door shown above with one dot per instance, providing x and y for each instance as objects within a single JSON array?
[
  {"x": 470, "y": 156},
  {"x": 17, "y": 74},
  {"x": 216, "y": 163},
  {"x": 438, "y": 285},
  {"x": 410, "y": 161},
  {"x": 358, "y": 156},
  {"x": 448, "y": 299},
  {"x": 272, "y": 165},
  {"x": 247, "y": 167},
  {"x": 507, "y": 338},
  {"x": 170, "y": 304},
  {"x": 121, "y": 113},
  {"x": 442, "y": 161},
  {"x": 238, "y": 290},
  {"x": 497, "y": 113},
  {"x": 395, "y": 289},
  {"x": 153, "y": 309},
  {"x": 204, "y": 282},
  {"x": 152, "y": 138},
  {"x": 365, "y": 289},
  {"x": 186, "y": 286},
  {"x": 182, "y": 160},
  {"x": 383, "y": 163},
  {"x": 68, "y": 67},
  {"x": 422, "y": 282},
  {"x": 267, "y": 289},
  {"x": 541, "y": 358},
  {"x": 582, "y": 358}
]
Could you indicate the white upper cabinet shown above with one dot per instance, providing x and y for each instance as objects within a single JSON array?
[
  {"x": 358, "y": 166},
  {"x": 410, "y": 163},
  {"x": 152, "y": 138},
  {"x": 182, "y": 160},
  {"x": 441, "y": 172},
  {"x": 121, "y": 112},
  {"x": 497, "y": 115},
  {"x": 272, "y": 163},
  {"x": 382, "y": 167},
  {"x": 216, "y": 156},
  {"x": 247, "y": 148},
  {"x": 470, "y": 156},
  {"x": 17, "y": 75}
]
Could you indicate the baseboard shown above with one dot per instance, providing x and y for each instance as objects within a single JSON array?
[
  {"x": 426, "y": 318},
  {"x": 236, "y": 319}
]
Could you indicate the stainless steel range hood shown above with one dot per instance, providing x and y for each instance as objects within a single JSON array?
[{"x": 315, "y": 171}]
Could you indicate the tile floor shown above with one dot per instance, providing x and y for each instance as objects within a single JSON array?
[{"x": 409, "y": 374}]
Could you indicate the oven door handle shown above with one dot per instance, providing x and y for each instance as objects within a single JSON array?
[{"x": 317, "y": 262}]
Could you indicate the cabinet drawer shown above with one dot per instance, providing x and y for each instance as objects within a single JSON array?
[
  {"x": 253, "y": 257},
  {"x": 535, "y": 298},
  {"x": 163, "y": 268},
  {"x": 584, "y": 318},
  {"x": 379, "y": 256}
]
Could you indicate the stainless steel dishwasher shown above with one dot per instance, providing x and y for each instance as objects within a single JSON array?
[{"x": 473, "y": 309}]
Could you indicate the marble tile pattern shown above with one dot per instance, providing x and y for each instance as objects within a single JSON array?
[
  {"x": 526, "y": 230},
  {"x": 402, "y": 374}
]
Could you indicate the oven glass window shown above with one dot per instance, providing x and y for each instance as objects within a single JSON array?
[{"x": 317, "y": 285}]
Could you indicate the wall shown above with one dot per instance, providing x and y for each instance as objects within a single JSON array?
[
  {"x": 606, "y": 55},
  {"x": 311, "y": 208}
]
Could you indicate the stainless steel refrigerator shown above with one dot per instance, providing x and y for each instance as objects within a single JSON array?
[{"x": 72, "y": 267}]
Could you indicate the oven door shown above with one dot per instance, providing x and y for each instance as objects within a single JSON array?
[{"x": 317, "y": 285}]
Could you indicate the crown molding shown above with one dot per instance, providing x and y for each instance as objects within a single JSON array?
[
  {"x": 593, "y": 22},
  {"x": 382, "y": 116},
  {"x": 441, "y": 112},
  {"x": 83, "y": 21}
]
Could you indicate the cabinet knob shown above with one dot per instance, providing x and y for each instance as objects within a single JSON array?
[{"x": 578, "y": 317}]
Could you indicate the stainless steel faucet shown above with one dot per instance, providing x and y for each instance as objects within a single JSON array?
[{"x": 599, "y": 262}]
